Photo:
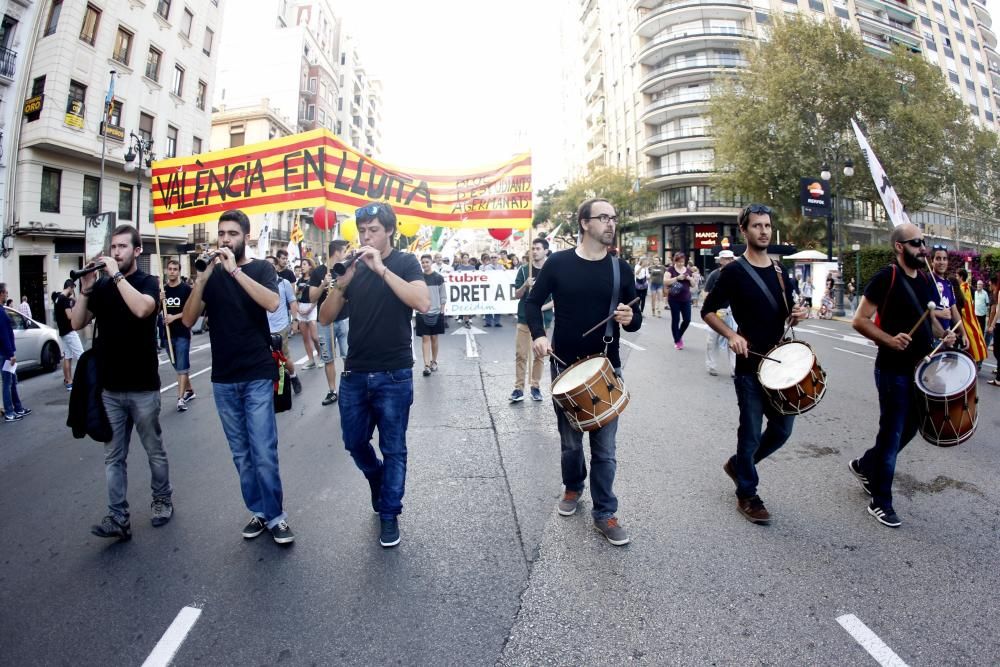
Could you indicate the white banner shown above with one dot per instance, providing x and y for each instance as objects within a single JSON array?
[
  {"x": 890, "y": 199},
  {"x": 481, "y": 292}
]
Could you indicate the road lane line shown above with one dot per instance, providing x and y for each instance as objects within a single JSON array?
[
  {"x": 192, "y": 375},
  {"x": 857, "y": 354},
  {"x": 631, "y": 345},
  {"x": 172, "y": 639},
  {"x": 870, "y": 642},
  {"x": 822, "y": 327},
  {"x": 196, "y": 348}
]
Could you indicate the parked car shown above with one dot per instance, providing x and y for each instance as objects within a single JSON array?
[{"x": 37, "y": 344}]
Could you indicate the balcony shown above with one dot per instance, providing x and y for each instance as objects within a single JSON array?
[
  {"x": 684, "y": 172},
  {"x": 674, "y": 12},
  {"x": 696, "y": 38},
  {"x": 8, "y": 62},
  {"x": 683, "y": 138},
  {"x": 982, "y": 14},
  {"x": 596, "y": 153},
  {"x": 991, "y": 55},
  {"x": 692, "y": 69},
  {"x": 645, "y": 4},
  {"x": 594, "y": 89},
  {"x": 989, "y": 37},
  {"x": 896, "y": 10},
  {"x": 895, "y": 31},
  {"x": 673, "y": 106},
  {"x": 593, "y": 64}
]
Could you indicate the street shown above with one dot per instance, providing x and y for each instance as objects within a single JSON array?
[{"x": 487, "y": 572}]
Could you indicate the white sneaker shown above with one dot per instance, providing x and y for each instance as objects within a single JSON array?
[{"x": 181, "y": 405}]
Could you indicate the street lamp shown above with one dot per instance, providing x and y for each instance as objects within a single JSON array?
[
  {"x": 138, "y": 158},
  {"x": 833, "y": 219}
]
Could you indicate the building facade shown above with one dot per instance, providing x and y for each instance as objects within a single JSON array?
[{"x": 163, "y": 54}]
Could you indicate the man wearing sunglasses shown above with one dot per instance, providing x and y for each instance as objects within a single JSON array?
[
  {"x": 899, "y": 295},
  {"x": 384, "y": 287}
]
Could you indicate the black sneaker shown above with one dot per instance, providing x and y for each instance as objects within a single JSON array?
[
  {"x": 389, "y": 535},
  {"x": 427, "y": 371},
  {"x": 254, "y": 528},
  {"x": 189, "y": 395},
  {"x": 24, "y": 413},
  {"x": 12, "y": 418},
  {"x": 331, "y": 398},
  {"x": 855, "y": 467},
  {"x": 163, "y": 510},
  {"x": 296, "y": 383},
  {"x": 517, "y": 396},
  {"x": 282, "y": 533},
  {"x": 375, "y": 483},
  {"x": 109, "y": 527},
  {"x": 884, "y": 515},
  {"x": 536, "y": 394}
]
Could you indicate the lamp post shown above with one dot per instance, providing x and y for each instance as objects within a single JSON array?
[
  {"x": 833, "y": 219},
  {"x": 856, "y": 247},
  {"x": 138, "y": 158}
]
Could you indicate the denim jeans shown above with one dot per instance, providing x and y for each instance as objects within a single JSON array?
[
  {"x": 182, "y": 354},
  {"x": 140, "y": 409},
  {"x": 380, "y": 399},
  {"x": 325, "y": 334},
  {"x": 247, "y": 413},
  {"x": 897, "y": 424},
  {"x": 340, "y": 330},
  {"x": 490, "y": 320},
  {"x": 603, "y": 464},
  {"x": 679, "y": 310},
  {"x": 11, "y": 401},
  {"x": 752, "y": 446}
]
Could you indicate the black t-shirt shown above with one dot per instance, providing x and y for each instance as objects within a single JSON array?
[
  {"x": 288, "y": 275},
  {"x": 581, "y": 293},
  {"x": 316, "y": 280},
  {"x": 240, "y": 335},
  {"x": 302, "y": 289},
  {"x": 759, "y": 323},
  {"x": 62, "y": 320},
  {"x": 379, "y": 337},
  {"x": 176, "y": 298},
  {"x": 898, "y": 313},
  {"x": 126, "y": 346}
]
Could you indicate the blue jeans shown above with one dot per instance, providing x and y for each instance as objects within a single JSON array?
[
  {"x": 325, "y": 334},
  {"x": 379, "y": 399},
  {"x": 140, "y": 409},
  {"x": 340, "y": 330},
  {"x": 11, "y": 401},
  {"x": 182, "y": 354},
  {"x": 491, "y": 320},
  {"x": 897, "y": 424},
  {"x": 679, "y": 310},
  {"x": 247, "y": 413},
  {"x": 752, "y": 446}
]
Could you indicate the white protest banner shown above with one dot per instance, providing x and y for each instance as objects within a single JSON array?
[
  {"x": 481, "y": 292},
  {"x": 890, "y": 199}
]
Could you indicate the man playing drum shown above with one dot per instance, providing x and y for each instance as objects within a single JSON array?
[
  {"x": 759, "y": 293},
  {"x": 900, "y": 294},
  {"x": 580, "y": 282}
]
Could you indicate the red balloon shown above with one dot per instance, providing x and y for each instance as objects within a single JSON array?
[
  {"x": 324, "y": 219},
  {"x": 501, "y": 234}
]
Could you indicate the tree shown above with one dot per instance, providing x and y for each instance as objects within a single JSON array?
[
  {"x": 978, "y": 188},
  {"x": 789, "y": 112}
]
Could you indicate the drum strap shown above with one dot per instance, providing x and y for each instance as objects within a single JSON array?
[
  {"x": 915, "y": 302},
  {"x": 616, "y": 280},
  {"x": 742, "y": 261}
]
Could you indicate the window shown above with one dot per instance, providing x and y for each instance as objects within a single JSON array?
[
  {"x": 53, "y": 22},
  {"x": 312, "y": 85},
  {"x": 202, "y": 94},
  {"x": 153, "y": 64},
  {"x": 163, "y": 9},
  {"x": 77, "y": 93},
  {"x": 37, "y": 88},
  {"x": 115, "y": 114},
  {"x": 186, "y": 21},
  {"x": 91, "y": 195},
  {"x": 206, "y": 47},
  {"x": 146, "y": 127},
  {"x": 171, "y": 141},
  {"x": 322, "y": 117},
  {"x": 123, "y": 46},
  {"x": 310, "y": 112},
  {"x": 88, "y": 32},
  {"x": 51, "y": 184},
  {"x": 195, "y": 145},
  {"x": 124, "y": 201},
  {"x": 236, "y": 136},
  {"x": 178, "y": 85}
]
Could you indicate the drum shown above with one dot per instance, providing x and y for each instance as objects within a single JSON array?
[
  {"x": 590, "y": 393},
  {"x": 947, "y": 398},
  {"x": 792, "y": 378}
]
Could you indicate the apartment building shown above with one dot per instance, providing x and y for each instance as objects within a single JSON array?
[
  {"x": 163, "y": 53},
  {"x": 648, "y": 69}
]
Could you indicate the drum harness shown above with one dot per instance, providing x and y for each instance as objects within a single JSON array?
[{"x": 746, "y": 266}]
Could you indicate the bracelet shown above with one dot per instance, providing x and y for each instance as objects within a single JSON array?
[
  {"x": 235, "y": 271},
  {"x": 118, "y": 277}
]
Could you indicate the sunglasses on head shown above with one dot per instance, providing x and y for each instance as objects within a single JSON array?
[
  {"x": 758, "y": 209},
  {"x": 939, "y": 247},
  {"x": 369, "y": 211},
  {"x": 915, "y": 243}
]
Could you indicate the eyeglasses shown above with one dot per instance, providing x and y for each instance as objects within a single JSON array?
[
  {"x": 370, "y": 211},
  {"x": 915, "y": 243},
  {"x": 605, "y": 218},
  {"x": 939, "y": 247}
]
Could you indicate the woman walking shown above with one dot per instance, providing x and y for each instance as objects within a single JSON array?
[
  {"x": 656, "y": 285},
  {"x": 678, "y": 282},
  {"x": 642, "y": 282}
]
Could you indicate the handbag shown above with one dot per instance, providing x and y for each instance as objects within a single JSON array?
[
  {"x": 429, "y": 320},
  {"x": 87, "y": 416}
]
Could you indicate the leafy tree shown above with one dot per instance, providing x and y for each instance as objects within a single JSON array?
[
  {"x": 789, "y": 112},
  {"x": 543, "y": 205}
]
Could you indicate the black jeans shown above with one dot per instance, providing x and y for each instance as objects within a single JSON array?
[
  {"x": 680, "y": 318},
  {"x": 753, "y": 446},
  {"x": 641, "y": 293},
  {"x": 897, "y": 424}
]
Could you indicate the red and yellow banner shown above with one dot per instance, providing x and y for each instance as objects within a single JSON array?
[{"x": 318, "y": 169}]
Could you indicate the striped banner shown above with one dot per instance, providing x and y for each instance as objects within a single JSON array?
[{"x": 318, "y": 169}]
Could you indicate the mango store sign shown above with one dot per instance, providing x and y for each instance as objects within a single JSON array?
[
  {"x": 481, "y": 292},
  {"x": 706, "y": 236}
]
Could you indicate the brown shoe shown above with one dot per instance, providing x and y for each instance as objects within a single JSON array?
[
  {"x": 567, "y": 506},
  {"x": 753, "y": 509},
  {"x": 727, "y": 467}
]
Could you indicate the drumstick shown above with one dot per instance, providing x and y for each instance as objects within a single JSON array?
[
  {"x": 561, "y": 362},
  {"x": 930, "y": 307},
  {"x": 764, "y": 356},
  {"x": 951, "y": 330},
  {"x": 605, "y": 320}
]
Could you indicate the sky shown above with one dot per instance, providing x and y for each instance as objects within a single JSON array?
[{"x": 465, "y": 83}]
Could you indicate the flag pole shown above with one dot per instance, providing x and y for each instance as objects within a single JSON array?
[
  {"x": 109, "y": 101},
  {"x": 163, "y": 294}
]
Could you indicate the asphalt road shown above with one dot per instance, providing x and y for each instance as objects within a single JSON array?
[{"x": 487, "y": 572}]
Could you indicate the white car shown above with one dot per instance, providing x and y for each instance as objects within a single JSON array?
[{"x": 37, "y": 344}]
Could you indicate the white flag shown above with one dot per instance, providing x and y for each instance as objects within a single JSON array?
[
  {"x": 293, "y": 253},
  {"x": 264, "y": 241},
  {"x": 890, "y": 199}
]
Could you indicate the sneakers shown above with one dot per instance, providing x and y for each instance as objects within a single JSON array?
[
  {"x": 567, "y": 505},
  {"x": 309, "y": 365},
  {"x": 375, "y": 484},
  {"x": 109, "y": 527},
  {"x": 181, "y": 405},
  {"x": 296, "y": 383},
  {"x": 68, "y": 385},
  {"x": 189, "y": 395},
  {"x": 727, "y": 467},
  {"x": 612, "y": 530},
  {"x": 434, "y": 366},
  {"x": 536, "y": 394},
  {"x": 855, "y": 467},
  {"x": 517, "y": 396},
  {"x": 163, "y": 510},
  {"x": 679, "y": 345},
  {"x": 389, "y": 535},
  {"x": 254, "y": 528},
  {"x": 427, "y": 371},
  {"x": 24, "y": 412},
  {"x": 712, "y": 372},
  {"x": 331, "y": 397},
  {"x": 282, "y": 533},
  {"x": 884, "y": 515},
  {"x": 753, "y": 509},
  {"x": 12, "y": 418}
]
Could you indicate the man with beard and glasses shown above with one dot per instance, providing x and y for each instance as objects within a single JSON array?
[
  {"x": 759, "y": 296},
  {"x": 238, "y": 293},
  {"x": 899, "y": 295},
  {"x": 124, "y": 301},
  {"x": 581, "y": 283}
]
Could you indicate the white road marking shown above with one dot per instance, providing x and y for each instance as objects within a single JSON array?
[
  {"x": 870, "y": 642},
  {"x": 196, "y": 348},
  {"x": 192, "y": 375},
  {"x": 822, "y": 327},
  {"x": 631, "y": 345},
  {"x": 471, "y": 346},
  {"x": 172, "y": 639},
  {"x": 857, "y": 354}
]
